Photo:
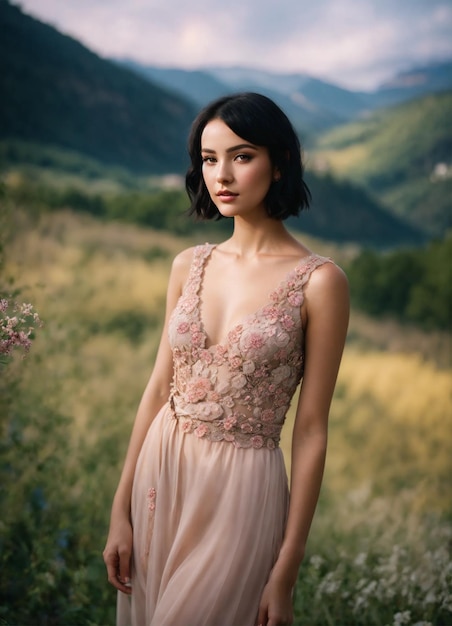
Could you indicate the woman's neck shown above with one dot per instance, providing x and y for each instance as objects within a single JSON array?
[{"x": 252, "y": 238}]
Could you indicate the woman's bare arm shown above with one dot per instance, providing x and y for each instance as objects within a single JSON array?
[
  {"x": 327, "y": 313},
  {"x": 118, "y": 548}
]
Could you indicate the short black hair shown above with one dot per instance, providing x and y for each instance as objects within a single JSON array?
[{"x": 257, "y": 119}]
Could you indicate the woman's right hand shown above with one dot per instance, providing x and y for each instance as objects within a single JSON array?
[{"x": 117, "y": 555}]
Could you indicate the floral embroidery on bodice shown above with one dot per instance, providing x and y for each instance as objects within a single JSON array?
[{"x": 238, "y": 391}]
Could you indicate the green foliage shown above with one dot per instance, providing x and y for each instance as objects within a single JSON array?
[
  {"x": 340, "y": 210},
  {"x": 131, "y": 324},
  {"x": 401, "y": 143},
  {"x": 164, "y": 210},
  {"x": 361, "y": 580},
  {"x": 35, "y": 161},
  {"x": 49, "y": 567},
  {"x": 414, "y": 285},
  {"x": 394, "y": 154},
  {"x": 343, "y": 211}
]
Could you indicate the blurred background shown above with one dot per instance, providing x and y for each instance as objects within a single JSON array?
[{"x": 96, "y": 100}]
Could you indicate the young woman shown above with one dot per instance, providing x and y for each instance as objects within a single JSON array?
[{"x": 203, "y": 530}]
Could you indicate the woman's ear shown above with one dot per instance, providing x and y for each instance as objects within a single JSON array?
[{"x": 276, "y": 175}]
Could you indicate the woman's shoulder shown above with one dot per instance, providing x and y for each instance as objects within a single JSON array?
[
  {"x": 184, "y": 259},
  {"x": 328, "y": 279}
]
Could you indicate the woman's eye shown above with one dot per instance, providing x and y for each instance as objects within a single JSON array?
[
  {"x": 243, "y": 158},
  {"x": 208, "y": 159}
]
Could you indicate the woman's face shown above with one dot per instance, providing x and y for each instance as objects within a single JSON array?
[{"x": 236, "y": 172}]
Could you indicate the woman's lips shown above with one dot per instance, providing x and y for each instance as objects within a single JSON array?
[{"x": 226, "y": 196}]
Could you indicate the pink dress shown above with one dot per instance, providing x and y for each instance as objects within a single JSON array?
[{"x": 210, "y": 494}]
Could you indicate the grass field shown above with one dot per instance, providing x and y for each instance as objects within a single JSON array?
[{"x": 380, "y": 546}]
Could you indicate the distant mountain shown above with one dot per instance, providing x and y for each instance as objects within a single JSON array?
[
  {"x": 56, "y": 92},
  {"x": 202, "y": 86},
  {"x": 313, "y": 105},
  {"x": 411, "y": 84},
  {"x": 198, "y": 86},
  {"x": 403, "y": 155}
]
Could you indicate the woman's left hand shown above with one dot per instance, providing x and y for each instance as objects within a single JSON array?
[{"x": 275, "y": 608}]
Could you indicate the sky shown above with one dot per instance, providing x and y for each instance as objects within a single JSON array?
[{"x": 357, "y": 44}]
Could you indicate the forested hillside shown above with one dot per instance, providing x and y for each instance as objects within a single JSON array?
[
  {"x": 56, "y": 92},
  {"x": 403, "y": 155}
]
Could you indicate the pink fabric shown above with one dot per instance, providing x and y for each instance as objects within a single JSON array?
[{"x": 210, "y": 494}]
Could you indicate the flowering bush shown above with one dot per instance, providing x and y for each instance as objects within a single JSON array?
[{"x": 17, "y": 324}]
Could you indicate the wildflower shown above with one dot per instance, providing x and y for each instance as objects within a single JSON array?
[
  {"x": 16, "y": 330},
  {"x": 360, "y": 560},
  {"x": 316, "y": 561},
  {"x": 402, "y": 618}
]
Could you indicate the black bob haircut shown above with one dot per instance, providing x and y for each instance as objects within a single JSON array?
[{"x": 260, "y": 121}]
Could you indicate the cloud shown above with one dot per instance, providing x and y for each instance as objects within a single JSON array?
[{"x": 356, "y": 43}]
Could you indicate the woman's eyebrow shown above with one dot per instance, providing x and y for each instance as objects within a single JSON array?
[{"x": 240, "y": 146}]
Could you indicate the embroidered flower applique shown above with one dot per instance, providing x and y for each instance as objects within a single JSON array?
[
  {"x": 151, "y": 498},
  {"x": 238, "y": 391}
]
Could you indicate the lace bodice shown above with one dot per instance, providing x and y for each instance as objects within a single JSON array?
[{"x": 238, "y": 391}]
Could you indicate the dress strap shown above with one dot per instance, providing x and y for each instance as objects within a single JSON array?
[
  {"x": 292, "y": 291},
  {"x": 200, "y": 254},
  {"x": 305, "y": 268}
]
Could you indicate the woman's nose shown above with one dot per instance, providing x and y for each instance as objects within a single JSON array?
[{"x": 224, "y": 172}]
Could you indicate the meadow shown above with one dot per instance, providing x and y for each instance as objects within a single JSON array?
[{"x": 380, "y": 548}]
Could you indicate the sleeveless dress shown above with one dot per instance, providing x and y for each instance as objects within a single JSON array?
[{"x": 210, "y": 493}]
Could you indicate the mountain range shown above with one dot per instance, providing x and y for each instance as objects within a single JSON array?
[
  {"x": 56, "y": 95},
  {"x": 311, "y": 104}
]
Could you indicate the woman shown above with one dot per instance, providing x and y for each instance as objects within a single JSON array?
[{"x": 203, "y": 496}]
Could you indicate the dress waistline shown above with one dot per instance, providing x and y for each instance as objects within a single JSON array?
[{"x": 223, "y": 430}]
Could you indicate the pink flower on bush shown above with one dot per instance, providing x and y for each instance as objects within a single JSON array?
[{"x": 17, "y": 323}]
